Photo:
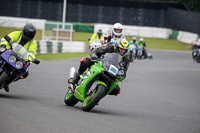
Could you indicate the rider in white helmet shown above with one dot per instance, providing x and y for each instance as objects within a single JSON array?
[
  {"x": 117, "y": 29},
  {"x": 114, "y": 34}
]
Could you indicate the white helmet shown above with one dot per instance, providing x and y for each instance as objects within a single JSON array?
[
  {"x": 141, "y": 39},
  {"x": 134, "y": 38},
  {"x": 117, "y": 26}
]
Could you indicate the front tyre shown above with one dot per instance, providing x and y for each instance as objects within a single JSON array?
[
  {"x": 70, "y": 99},
  {"x": 3, "y": 77},
  {"x": 91, "y": 100}
]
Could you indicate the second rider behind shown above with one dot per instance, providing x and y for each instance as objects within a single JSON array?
[{"x": 115, "y": 33}]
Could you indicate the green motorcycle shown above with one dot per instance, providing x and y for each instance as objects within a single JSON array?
[{"x": 96, "y": 82}]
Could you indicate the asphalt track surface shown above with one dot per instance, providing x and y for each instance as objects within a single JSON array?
[{"x": 158, "y": 96}]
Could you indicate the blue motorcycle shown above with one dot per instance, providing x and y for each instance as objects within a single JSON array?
[
  {"x": 13, "y": 63},
  {"x": 196, "y": 55},
  {"x": 131, "y": 52}
]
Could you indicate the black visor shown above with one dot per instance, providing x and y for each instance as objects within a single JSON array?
[{"x": 29, "y": 36}]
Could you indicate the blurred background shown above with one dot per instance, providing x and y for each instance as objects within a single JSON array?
[{"x": 180, "y": 18}]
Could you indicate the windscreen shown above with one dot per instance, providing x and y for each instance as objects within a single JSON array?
[
  {"x": 20, "y": 51},
  {"x": 111, "y": 59}
]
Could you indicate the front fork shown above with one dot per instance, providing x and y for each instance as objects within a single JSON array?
[{"x": 3, "y": 64}]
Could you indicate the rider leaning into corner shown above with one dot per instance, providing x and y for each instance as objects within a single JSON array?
[
  {"x": 121, "y": 47},
  {"x": 25, "y": 38}
]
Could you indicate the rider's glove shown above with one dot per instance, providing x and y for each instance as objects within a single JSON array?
[{"x": 94, "y": 57}]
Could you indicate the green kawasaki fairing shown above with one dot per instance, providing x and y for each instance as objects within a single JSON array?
[
  {"x": 87, "y": 77},
  {"x": 95, "y": 83}
]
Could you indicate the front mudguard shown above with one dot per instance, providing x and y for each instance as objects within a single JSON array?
[
  {"x": 102, "y": 83},
  {"x": 110, "y": 88}
]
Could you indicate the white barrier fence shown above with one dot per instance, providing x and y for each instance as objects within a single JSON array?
[
  {"x": 187, "y": 37},
  {"x": 15, "y": 22},
  {"x": 60, "y": 47},
  {"x": 151, "y": 32}
]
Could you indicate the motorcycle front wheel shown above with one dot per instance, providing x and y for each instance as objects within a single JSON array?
[
  {"x": 3, "y": 78},
  {"x": 92, "y": 99}
]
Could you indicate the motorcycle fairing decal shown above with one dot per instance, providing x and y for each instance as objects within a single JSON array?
[
  {"x": 9, "y": 51},
  {"x": 78, "y": 92},
  {"x": 5, "y": 56},
  {"x": 26, "y": 64},
  {"x": 113, "y": 69}
]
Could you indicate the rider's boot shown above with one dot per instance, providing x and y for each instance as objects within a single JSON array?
[{"x": 75, "y": 79}]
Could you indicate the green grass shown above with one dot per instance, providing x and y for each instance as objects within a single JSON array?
[
  {"x": 167, "y": 44},
  {"x": 82, "y": 36},
  {"x": 60, "y": 56}
]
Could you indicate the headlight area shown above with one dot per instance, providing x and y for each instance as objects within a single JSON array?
[
  {"x": 2, "y": 49},
  {"x": 12, "y": 59},
  {"x": 19, "y": 64}
]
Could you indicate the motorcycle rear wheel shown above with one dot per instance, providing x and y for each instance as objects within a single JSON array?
[
  {"x": 198, "y": 59},
  {"x": 92, "y": 100}
]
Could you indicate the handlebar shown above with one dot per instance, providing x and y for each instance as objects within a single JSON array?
[
  {"x": 36, "y": 61},
  {"x": 8, "y": 39}
]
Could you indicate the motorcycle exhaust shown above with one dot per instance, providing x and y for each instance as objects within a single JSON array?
[{"x": 71, "y": 72}]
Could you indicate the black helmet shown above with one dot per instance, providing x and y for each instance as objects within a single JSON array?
[{"x": 28, "y": 32}]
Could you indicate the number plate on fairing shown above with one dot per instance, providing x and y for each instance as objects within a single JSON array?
[{"x": 112, "y": 69}]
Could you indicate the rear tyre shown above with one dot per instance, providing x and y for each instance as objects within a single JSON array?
[
  {"x": 198, "y": 59},
  {"x": 70, "y": 99},
  {"x": 92, "y": 100}
]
